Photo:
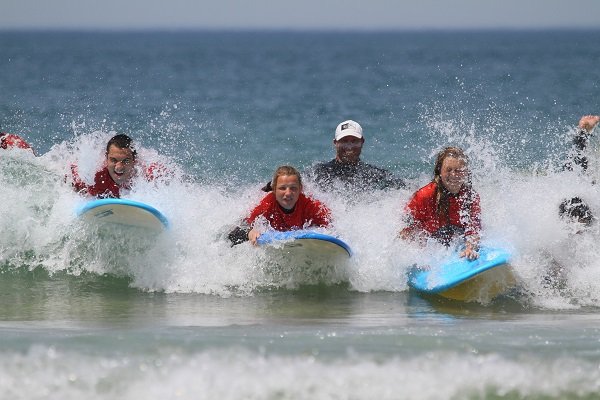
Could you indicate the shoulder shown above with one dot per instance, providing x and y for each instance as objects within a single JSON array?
[
  {"x": 99, "y": 175},
  {"x": 322, "y": 166},
  {"x": 372, "y": 168},
  {"x": 305, "y": 200},
  {"x": 102, "y": 174},
  {"x": 322, "y": 172},
  {"x": 427, "y": 190},
  {"x": 266, "y": 204},
  {"x": 423, "y": 196},
  {"x": 382, "y": 175},
  {"x": 268, "y": 199},
  {"x": 311, "y": 208}
]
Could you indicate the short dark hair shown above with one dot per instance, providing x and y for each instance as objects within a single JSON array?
[{"x": 123, "y": 142}]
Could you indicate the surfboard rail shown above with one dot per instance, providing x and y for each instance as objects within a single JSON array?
[
  {"x": 272, "y": 237},
  {"x": 461, "y": 279},
  {"x": 102, "y": 208}
]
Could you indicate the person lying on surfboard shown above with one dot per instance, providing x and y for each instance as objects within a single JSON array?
[
  {"x": 347, "y": 172},
  {"x": 120, "y": 167},
  {"x": 11, "y": 141},
  {"x": 285, "y": 208},
  {"x": 447, "y": 207}
]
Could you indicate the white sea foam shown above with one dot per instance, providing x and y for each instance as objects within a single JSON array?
[
  {"x": 39, "y": 227},
  {"x": 44, "y": 372}
]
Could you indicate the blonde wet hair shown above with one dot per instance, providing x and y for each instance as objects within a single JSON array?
[{"x": 285, "y": 170}]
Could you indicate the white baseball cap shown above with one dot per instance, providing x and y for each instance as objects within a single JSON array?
[{"x": 348, "y": 128}]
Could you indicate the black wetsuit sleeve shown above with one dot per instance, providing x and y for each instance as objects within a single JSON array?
[
  {"x": 576, "y": 156},
  {"x": 238, "y": 235},
  {"x": 321, "y": 174},
  {"x": 393, "y": 182},
  {"x": 380, "y": 178}
]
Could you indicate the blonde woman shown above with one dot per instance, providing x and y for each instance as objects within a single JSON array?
[{"x": 286, "y": 208}]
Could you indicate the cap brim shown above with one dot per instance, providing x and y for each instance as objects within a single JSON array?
[{"x": 344, "y": 134}]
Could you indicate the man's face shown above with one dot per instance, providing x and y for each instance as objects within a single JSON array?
[
  {"x": 348, "y": 149},
  {"x": 120, "y": 164}
]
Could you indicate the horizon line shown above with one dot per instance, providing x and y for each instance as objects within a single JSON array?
[{"x": 293, "y": 30}]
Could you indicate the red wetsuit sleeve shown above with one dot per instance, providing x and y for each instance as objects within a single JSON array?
[
  {"x": 103, "y": 186},
  {"x": 420, "y": 211},
  {"x": 316, "y": 213},
  {"x": 261, "y": 209},
  {"x": 8, "y": 140},
  {"x": 78, "y": 185}
]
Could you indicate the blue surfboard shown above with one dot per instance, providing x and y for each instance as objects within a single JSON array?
[
  {"x": 123, "y": 212},
  {"x": 317, "y": 242},
  {"x": 467, "y": 280}
]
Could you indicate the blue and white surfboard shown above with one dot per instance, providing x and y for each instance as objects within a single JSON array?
[
  {"x": 317, "y": 242},
  {"x": 469, "y": 280},
  {"x": 124, "y": 212}
]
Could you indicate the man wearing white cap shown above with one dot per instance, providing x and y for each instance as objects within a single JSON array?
[{"x": 346, "y": 170}]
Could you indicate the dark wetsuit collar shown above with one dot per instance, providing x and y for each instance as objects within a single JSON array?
[{"x": 286, "y": 211}]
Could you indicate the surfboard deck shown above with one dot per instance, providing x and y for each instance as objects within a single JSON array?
[
  {"x": 466, "y": 280},
  {"x": 124, "y": 212},
  {"x": 307, "y": 240}
]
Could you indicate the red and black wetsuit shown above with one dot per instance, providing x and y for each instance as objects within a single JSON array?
[
  {"x": 577, "y": 156},
  {"x": 464, "y": 214},
  {"x": 306, "y": 212},
  {"x": 8, "y": 140},
  {"x": 104, "y": 186}
]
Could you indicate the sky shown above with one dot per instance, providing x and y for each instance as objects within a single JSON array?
[{"x": 339, "y": 15}]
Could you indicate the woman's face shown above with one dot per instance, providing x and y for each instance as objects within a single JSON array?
[
  {"x": 287, "y": 191},
  {"x": 453, "y": 174}
]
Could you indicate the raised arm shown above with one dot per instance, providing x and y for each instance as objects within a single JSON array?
[{"x": 586, "y": 125}]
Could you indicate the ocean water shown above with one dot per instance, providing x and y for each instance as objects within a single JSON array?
[{"x": 97, "y": 314}]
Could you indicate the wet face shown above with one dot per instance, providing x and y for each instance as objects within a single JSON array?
[
  {"x": 348, "y": 149},
  {"x": 453, "y": 174},
  {"x": 120, "y": 164},
  {"x": 287, "y": 191}
]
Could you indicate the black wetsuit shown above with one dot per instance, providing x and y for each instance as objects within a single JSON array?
[
  {"x": 576, "y": 155},
  {"x": 357, "y": 177},
  {"x": 576, "y": 208}
]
